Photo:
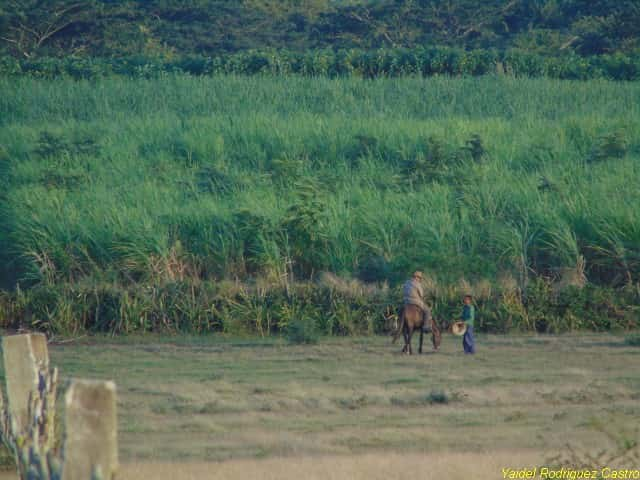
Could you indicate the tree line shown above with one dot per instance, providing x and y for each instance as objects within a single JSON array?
[{"x": 170, "y": 28}]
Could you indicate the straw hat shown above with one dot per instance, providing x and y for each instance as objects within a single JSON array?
[{"x": 458, "y": 328}]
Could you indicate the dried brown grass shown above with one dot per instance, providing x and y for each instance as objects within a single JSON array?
[
  {"x": 452, "y": 466},
  {"x": 354, "y": 405}
]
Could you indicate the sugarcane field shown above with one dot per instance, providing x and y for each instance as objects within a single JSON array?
[{"x": 319, "y": 239}]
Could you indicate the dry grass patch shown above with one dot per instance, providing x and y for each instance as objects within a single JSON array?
[
  {"x": 389, "y": 466},
  {"x": 210, "y": 399},
  {"x": 452, "y": 466}
]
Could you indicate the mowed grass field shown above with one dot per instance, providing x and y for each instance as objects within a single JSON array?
[{"x": 356, "y": 407}]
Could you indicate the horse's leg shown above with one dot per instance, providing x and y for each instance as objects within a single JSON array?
[
  {"x": 421, "y": 337},
  {"x": 403, "y": 327},
  {"x": 404, "y": 336},
  {"x": 410, "y": 334}
]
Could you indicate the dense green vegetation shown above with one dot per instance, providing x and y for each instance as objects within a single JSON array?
[
  {"x": 570, "y": 39},
  {"x": 126, "y": 202},
  {"x": 172, "y": 27},
  {"x": 342, "y": 63}
]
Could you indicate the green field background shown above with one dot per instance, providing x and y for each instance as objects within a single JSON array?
[{"x": 488, "y": 184}]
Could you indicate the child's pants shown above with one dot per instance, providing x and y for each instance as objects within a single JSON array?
[{"x": 468, "y": 342}]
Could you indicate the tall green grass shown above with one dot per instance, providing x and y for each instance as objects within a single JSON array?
[{"x": 131, "y": 180}]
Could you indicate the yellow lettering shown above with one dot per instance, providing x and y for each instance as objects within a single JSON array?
[{"x": 622, "y": 473}]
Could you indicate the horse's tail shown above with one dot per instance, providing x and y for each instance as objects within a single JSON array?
[{"x": 401, "y": 327}]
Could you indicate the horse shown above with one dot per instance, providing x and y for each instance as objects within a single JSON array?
[{"x": 412, "y": 317}]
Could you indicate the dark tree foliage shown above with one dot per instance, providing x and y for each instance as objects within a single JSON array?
[
  {"x": 167, "y": 28},
  {"x": 29, "y": 27}
]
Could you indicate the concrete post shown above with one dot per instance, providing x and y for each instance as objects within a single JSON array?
[
  {"x": 21, "y": 372},
  {"x": 91, "y": 431}
]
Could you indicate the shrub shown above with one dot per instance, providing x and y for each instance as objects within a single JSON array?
[
  {"x": 435, "y": 397},
  {"x": 610, "y": 146},
  {"x": 356, "y": 62},
  {"x": 633, "y": 340},
  {"x": 438, "y": 396},
  {"x": 302, "y": 330}
]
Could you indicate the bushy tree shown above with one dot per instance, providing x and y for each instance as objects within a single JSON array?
[{"x": 30, "y": 26}]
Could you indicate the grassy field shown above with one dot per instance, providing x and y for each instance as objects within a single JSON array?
[
  {"x": 233, "y": 177},
  {"x": 127, "y": 200},
  {"x": 354, "y": 402}
]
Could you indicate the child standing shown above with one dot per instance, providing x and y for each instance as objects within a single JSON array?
[{"x": 468, "y": 316}]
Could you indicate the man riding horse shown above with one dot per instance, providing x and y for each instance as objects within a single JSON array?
[
  {"x": 416, "y": 314},
  {"x": 413, "y": 294}
]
